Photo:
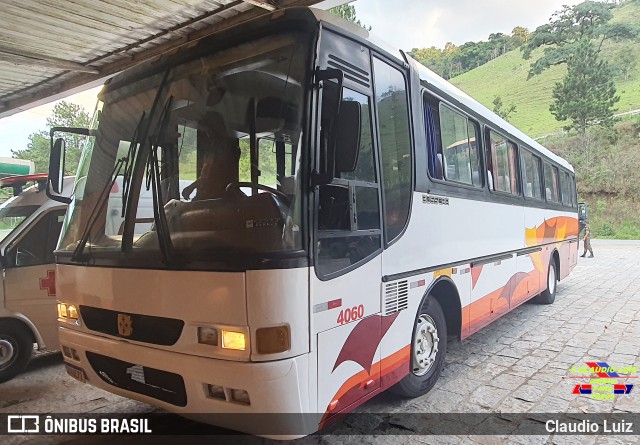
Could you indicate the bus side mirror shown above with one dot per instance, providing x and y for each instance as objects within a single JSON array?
[
  {"x": 331, "y": 103},
  {"x": 56, "y": 171},
  {"x": 347, "y": 137}
]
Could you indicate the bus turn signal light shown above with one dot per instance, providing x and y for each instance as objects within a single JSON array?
[
  {"x": 273, "y": 340},
  {"x": 62, "y": 310},
  {"x": 233, "y": 340}
]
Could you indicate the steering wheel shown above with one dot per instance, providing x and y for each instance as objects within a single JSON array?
[{"x": 266, "y": 188}]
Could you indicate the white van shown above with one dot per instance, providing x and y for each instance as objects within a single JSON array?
[{"x": 30, "y": 225}]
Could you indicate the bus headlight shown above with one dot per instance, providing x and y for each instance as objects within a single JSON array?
[
  {"x": 233, "y": 340},
  {"x": 67, "y": 312},
  {"x": 273, "y": 340}
]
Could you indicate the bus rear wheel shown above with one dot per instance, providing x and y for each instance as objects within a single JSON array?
[
  {"x": 428, "y": 348},
  {"x": 16, "y": 348},
  {"x": 548, "y": 296}
]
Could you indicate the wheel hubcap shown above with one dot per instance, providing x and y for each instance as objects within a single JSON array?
[
  {"x": 552, "y": 280},
  {"x": 425, "y": 345},
  {"x": 6, "y": 352}
]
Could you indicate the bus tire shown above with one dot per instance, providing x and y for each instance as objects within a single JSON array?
[
  {"x": 16, "y": 348},
  {"x": 548, "y": 296},
  {"x": 428, "y": 348}
]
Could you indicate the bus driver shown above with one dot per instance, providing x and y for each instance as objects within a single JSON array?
[{"x": 219, "y": 163}]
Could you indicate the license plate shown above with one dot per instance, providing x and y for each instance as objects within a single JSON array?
[{"x": 76, "y": 373}]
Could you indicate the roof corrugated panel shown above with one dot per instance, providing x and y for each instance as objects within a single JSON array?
[{"x": 48, "y": 47}]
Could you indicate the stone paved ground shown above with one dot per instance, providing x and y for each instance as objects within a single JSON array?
[{"x": 520, "y": 363}]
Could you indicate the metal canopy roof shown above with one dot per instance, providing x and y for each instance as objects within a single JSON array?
[{"x": 51, "y": 47}]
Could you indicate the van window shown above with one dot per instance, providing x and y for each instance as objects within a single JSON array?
[
  {"x": 36, "y": 246},
  {"x": 12, "y": 216}
]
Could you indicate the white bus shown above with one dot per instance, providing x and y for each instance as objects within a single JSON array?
[
  {"x": 352, "y": 211},
  {"x": 30, "y": 225}
]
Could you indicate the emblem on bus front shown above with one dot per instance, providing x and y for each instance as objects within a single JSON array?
[{"x": 125, "y": 325}]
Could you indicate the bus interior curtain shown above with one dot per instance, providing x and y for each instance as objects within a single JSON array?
[{"x": 435, "y": 167}]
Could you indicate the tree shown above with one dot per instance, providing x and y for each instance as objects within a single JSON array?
[
  {"x": 520, "y": 36},
  {"x": 64, "y": 114},
  {"x": 626, "y": 60},
  {"x": 562, "y": 36},
  {"x": 504, "y": 113},
  {"x": 348, "y": 12},
  {"x": 574, "y": 36},
  {"x": 431, "y": 58},
  {"x": 587, "y": 93}
]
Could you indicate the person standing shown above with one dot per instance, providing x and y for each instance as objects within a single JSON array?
[{"x": 587, "y": 240}]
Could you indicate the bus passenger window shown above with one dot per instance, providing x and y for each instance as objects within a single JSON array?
[
  {"x": 551, "y": 183},
  {"x": 434, "y": 146},
  {"x": 459, "y": 139},
  {"x": 564, "y": 188},
  {"x": 531, "y": 178},
  {"x": 501, "y": 160}
]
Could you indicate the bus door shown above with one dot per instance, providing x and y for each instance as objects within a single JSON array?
[
  {"x": 29, "y": 276},
  {"x": 346, "y": 284}
]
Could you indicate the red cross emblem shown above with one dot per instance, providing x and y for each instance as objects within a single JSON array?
[{"x": 49, "y": 283}]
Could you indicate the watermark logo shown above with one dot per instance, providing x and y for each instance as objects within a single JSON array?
[
  {"x": 23, "y": 424},
  {"x": 74, "y": 424},
  {"x": 605, "y": 381}
]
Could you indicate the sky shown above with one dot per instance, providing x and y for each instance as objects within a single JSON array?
[{"x": 405, "y": 24}]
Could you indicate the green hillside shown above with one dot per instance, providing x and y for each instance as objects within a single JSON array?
[{"x": 506, "y": 76}]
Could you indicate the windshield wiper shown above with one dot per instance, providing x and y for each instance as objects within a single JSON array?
[
  {"x": 125, "y": 162},
  {"x": 128, "y": 166},
  {"x": 154, "y": 180},
  {"x": 93, "y": 217}
]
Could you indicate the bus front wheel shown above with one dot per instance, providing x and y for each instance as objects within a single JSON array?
[
  {"x": 428, "y": 348},
  {"x": 16, "y": 348}
]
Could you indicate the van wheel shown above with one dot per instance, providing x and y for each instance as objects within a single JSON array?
[
  {"x": 16, "y": 348},
  {"x": 548, "y": 296},
  {"x": 428, "y": 348}
]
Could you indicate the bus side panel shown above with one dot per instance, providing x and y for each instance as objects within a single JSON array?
[
  {"x": 545, "y": 227},
  {"x": 346, "y": 322},
  {"x": 461, "y": 229}
]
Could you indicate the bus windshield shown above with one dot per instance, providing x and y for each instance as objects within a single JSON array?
[{"x": 196, "y": 164}]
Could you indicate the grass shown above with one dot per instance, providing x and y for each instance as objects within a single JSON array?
[{"x": 506, "y": 76}]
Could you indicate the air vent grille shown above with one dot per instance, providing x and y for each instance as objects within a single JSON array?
[
  {"x": 396, "y": 297},
  {"x": 350, "y": 71}
]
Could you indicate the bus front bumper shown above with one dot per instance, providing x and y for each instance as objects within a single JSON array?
[{"x": 266, "y": 399}]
